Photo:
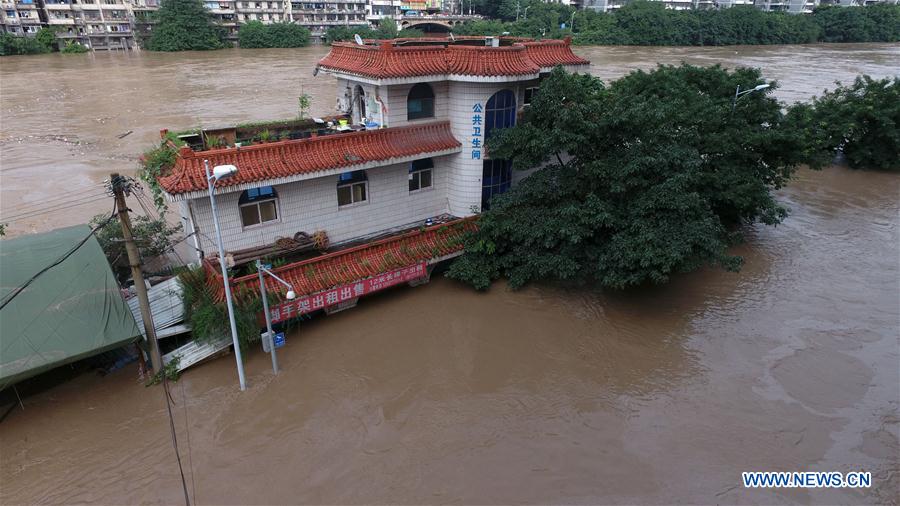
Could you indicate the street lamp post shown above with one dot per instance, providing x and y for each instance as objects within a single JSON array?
[
  {"x": 218, "y": 173},
  {"x": 260, "y": 268},
  {"x": 738, "y": 93},
  {"x": 526, "y": 12}
]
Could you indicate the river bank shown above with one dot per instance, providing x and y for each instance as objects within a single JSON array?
[{"x": 441, "y": 394}]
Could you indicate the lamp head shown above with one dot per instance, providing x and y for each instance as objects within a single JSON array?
[
  {"x": 291, "y": 295},
  {"x": 761, "y": 87},
  {"x": 224, "y": 171}
]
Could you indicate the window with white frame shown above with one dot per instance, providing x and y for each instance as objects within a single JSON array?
[
  {"x": 530, "y": 93},
  {"x": 258, "y": 206},
  {"x": 420, "y": 174},
  {"x": 353, "y": 187}
]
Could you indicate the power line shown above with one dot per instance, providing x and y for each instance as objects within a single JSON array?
[
  {"x": 67, "y": 196},
  {"x": 59, "y": 207}
]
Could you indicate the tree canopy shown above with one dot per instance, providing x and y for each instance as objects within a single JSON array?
[
  {"x": 185, "y": 25},
  {"x": 860, "y": 121},
  {"x": 153, "y": 238},
  {"x": 255, "y": 34},
  {"x": 644, "y": 178},
  {"x": 644, "y": 22},
  {"x": 386, "y": 29}
]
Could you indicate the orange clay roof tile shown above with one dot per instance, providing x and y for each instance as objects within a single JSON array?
[
  {"x": 352, "y": 264},
  {"x": 274, "y": 160},
  {"x": 392, "y": 60}
]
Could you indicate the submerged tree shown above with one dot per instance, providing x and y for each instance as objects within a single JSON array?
[
  {"x": 642, "y": 179},
  {"x": 861, "y": 121},
  {"x": 254, "y": 34},
  {"x": 184, "y": 25},
  {"x": 152, "y": 236}
]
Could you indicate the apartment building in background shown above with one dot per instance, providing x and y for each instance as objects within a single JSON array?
[
  {"x": 122, "y": 24},
  {"x": 22, "y": 18},
  {"x": 790, "y": 6}
]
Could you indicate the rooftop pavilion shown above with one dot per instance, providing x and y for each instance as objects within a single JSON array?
[{"x": 468, "y": 59}]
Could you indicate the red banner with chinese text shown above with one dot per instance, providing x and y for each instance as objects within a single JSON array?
[{"x": 326, "y": 298}]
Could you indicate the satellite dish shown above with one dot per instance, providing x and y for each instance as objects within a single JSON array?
[
  {"x": 358, "y": 39},
  {"x": 452, "y": 38}
]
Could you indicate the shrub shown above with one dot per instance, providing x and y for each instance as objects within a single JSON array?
[
  {"x": 73, "y": 48},
  {"x": 255, "y": 34}
]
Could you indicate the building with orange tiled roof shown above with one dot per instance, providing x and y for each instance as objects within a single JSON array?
[{"x": 406, "y": 146}]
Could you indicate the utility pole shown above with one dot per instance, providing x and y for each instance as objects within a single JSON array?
[{"x": 119, "y": 187}]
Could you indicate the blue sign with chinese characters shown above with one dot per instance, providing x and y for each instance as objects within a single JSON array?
[
  {"x": 279, "y": 339},
  {"x": 476, "y": 131}
]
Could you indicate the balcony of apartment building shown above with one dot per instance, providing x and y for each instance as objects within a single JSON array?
[
  {"x": 28, "y": 17},
  {"x": 60, "y": 20},
  {"x": 89, "y": 5},
  {"x": 220, "y": 7},
  {"x": 26, "y": 4},
  {"x": 70, "y": 33},
  {"x": 112, "y": 4},
  {"x": 58, "y": 5}
]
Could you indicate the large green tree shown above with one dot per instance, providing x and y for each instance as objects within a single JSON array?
[
  {"x": 650, "y": 176},
  {"x": 185, "y": 25}
]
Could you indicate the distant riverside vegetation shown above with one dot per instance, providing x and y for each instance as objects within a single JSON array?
[{"x": 645, "y": 23}]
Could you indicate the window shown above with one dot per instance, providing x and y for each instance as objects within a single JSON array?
[
  {"x": 420, "y": 174},
  {"x": 359, "y": 105},
  {"x": 530, "y": 93},
  {"x": 500, "y": 111},
  {"x": 496, "y": 178},
  {"x": 420, "y": 102},
  {"x": 258, "y": 206},
  {"x": 352, "y": 187}
]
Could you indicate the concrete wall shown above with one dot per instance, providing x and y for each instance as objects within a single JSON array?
[
  {"x": 396, "y": 101},
  {"x": 312, "y": 205}
]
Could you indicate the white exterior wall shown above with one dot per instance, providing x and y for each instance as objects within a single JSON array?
[
  {"x": 454, "y": 101},
  {"x": 312, "y": 205},
  {"x": 464, "y": 191},
  {"x": 396, "y": 102}
]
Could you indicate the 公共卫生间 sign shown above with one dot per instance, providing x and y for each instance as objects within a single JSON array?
[
  {"x": 326, "y": 298},
  {"x": 476, "y": 131}
]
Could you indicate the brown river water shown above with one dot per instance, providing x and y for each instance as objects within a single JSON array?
[{"x": 442, "y": 395}]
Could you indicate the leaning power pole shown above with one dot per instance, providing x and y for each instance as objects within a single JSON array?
[{"x": 119, "y": 186}]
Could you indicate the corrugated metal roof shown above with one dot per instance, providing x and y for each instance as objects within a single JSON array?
[{"x": 165, "y": 306}]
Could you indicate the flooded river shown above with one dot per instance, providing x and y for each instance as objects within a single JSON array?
[
  {"x": 442, "y": 395},
  {"x": 62, "y": 116}
]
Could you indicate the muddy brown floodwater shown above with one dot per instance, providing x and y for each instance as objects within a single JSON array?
[{"x": 442, "y": 395}]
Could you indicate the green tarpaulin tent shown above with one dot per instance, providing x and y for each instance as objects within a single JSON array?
[{"x": 72, "y": 311}]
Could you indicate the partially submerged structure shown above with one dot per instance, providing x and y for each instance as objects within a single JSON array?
[
  {"x": 51, "y": 317},
  {"x": 396, "y": 173}
]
